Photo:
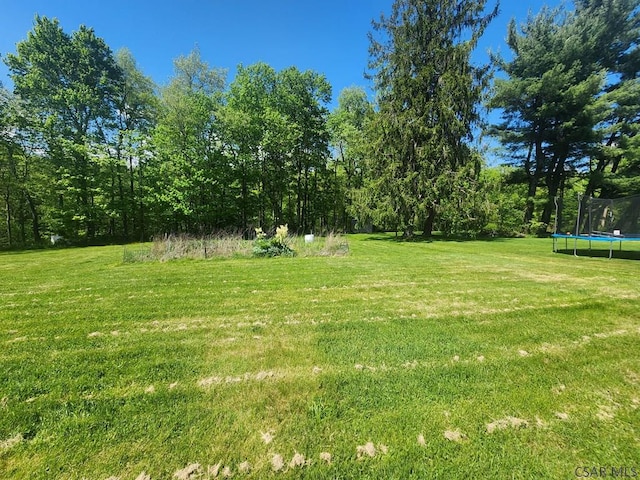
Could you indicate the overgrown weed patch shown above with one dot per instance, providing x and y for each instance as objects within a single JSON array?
[{"x": 226, "y": 246}]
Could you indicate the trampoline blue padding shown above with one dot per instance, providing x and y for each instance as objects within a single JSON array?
[{"x": 593, "y": 238}]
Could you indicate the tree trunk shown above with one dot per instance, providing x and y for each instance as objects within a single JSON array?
[
  {"x": 554, "y": 180},
  {"x": 428, "y": 223},
  {"x": 533, "y": 186},
  {"x": 132, "y": 198},
  {"x": 596, "y": 176},
  {"x": 35, "y": 218},
  {"x": 141, "y": 206},
  {"x": 7, "y": 201},
  {"x": 123, "y": 206},
  {"x": 22, "y": 221}
]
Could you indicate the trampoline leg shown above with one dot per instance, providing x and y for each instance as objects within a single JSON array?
[{"x": 610, "y": 249}]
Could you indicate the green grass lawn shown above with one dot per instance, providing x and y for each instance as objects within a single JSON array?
[{"x": 479, "y": 359}]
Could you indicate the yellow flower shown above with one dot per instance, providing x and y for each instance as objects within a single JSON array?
[{"x": 281, "y": 233}]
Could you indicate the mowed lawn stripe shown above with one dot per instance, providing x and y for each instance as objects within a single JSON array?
[{"x": 424, "y": 359}]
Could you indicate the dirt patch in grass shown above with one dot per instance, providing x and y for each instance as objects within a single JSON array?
[
  {"x": 368, "y": 450},
  {"x": 545, "y": 277},
  {"x": 454, "y": 435},
  {"x": 606, "y": 414},
  {"x": 508, "y": 422},
  {"x": 11, "y": 442},
  {"x": 18, "y": 339},
  {"x": 277, "y": 462},
  {"x": 632, "y": 377},
  {"x": 298, "y": 460},
  {"x": 247, "y": 377},
  {"x": 267, "y": 437},
  {"x": 206, "y": 382},
  {"x": 188, "y": 472}
]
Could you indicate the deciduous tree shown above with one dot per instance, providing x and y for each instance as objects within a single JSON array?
[
  {"x": 188, "y": 174},
  {"x": 68, "y": 82}
]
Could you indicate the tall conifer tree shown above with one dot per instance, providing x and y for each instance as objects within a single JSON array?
[{"x": 428, "y": 98}]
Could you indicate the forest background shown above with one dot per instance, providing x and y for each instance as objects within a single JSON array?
[{"x": 92, "y": 150}]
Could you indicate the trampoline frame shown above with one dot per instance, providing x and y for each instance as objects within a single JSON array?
[
  {"x": 615, "y": 236},
  {"x": 590, "y": 238}
]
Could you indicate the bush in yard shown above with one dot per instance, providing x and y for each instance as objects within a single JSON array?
[{"x": 276, "y": 246}]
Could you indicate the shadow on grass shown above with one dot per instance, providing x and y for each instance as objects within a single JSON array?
[
  {"x": 597, "y": 253},
  {"x": 419, "y": 238}
]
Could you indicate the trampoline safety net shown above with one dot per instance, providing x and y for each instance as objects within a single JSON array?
[{"x": 598, "y": 217}]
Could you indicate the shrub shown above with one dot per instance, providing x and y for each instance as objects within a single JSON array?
[{"x": 276, "y": 246}]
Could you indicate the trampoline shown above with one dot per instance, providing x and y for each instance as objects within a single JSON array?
[{"x": 597, "y": 220}]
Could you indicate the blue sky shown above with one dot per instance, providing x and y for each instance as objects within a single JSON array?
[{"x": 328, "y": 36}]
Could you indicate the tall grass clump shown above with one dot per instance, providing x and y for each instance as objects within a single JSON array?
[
  {"x": 333, "y": 245},
  {"x": 174, "y": 247}
]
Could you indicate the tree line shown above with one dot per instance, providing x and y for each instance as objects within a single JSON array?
[{"x": 92, "y": 150}]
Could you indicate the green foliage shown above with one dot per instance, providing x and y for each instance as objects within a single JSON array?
[
  {"x": 128, "y": 150},
  {"x": 91, "y": 149},
  {"x": 567, "y": 104},
  {"x": 186, "y": 174},
  {"x": 506, "y": 200},
  {"x": 276, "y": 246},
  {"x": 465, "y": 210},
  {"x": 24, "y": 175},
  {"x": 68, "y": 83},
  {"x": 429, "y": 93},
  {"x": 124, "y": 161},
  {"x": 346, "y": 125},
  {"x": 275, "y": 131}
]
